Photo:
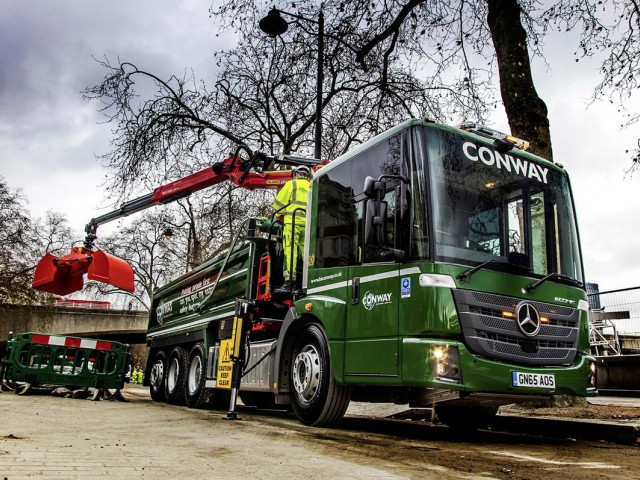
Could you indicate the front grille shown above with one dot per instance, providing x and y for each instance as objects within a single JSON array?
[
  {"x": 482, "y": 298},
  {"x": 490, "y": 329}
]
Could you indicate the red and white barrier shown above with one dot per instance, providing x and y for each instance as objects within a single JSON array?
[{"x": 71, "y": 342}]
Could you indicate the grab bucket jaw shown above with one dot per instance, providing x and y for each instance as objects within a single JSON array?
[{"x": 65, "y": 275}]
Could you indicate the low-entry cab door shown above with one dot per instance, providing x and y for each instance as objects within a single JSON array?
[{"x": 371, "y": 346}]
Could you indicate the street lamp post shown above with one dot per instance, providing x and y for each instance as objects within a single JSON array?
[{"x": 274, "y": 25}]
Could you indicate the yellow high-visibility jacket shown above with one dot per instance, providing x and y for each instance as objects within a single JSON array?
[{"x": 293, "y": 196}]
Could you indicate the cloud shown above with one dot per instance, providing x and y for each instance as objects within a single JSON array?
[{"x": 49, "y": 135}]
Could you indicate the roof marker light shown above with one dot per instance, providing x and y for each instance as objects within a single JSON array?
[{"x": 491, "y": 133}]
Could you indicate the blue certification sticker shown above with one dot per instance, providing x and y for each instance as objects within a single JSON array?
[{"x": 406, "y": 288}]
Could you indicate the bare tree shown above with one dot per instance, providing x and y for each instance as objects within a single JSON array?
[
  {"x": 453, "y": 38},
  {"x": 22, "y": 241},
  {"x": 52, "y": 234},
  {"x": 461, "y": 41},
  {"x": 526, "y": 111},
  {"x": 144, "y": 246},
  {"x": 609, "y": 30},
  {"x": 204, "y": 224},
  {"x": 15, "y": 266},
  {"x": 265, "y": 92},
  {"x": 264, "y": 97}
]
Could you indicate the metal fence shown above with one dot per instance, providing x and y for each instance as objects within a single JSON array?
[{"x": 614, "y": 315}]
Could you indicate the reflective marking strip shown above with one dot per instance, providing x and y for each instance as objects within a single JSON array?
[
  {"x": 327, "y": 287},
  {"x": 192, "y": 324},
  {"x": 367, "y": 279},
  {"x": 40, "y": 339},
  {"x": 324, "y": 298},
  {"x": 56, "y": 341},
  {"x": 73, "y": 342},
  {"x": 410, "y": 271}
]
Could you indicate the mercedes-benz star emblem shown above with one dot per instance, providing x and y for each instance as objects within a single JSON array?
[{"x": 528, "y": 319}]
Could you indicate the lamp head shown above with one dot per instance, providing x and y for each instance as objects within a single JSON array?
[{"x": 273, "y": 24}]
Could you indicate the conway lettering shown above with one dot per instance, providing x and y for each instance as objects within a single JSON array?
[{"x": 501, "y": 161}]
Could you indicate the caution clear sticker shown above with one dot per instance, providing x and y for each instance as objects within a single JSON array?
[{"x": 229, "y": 349}]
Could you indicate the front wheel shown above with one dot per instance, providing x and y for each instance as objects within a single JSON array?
[{"x": 315, "y": 396}]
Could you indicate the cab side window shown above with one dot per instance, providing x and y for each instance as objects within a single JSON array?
[
  {"x": 334, "y": 231},
  {"x": 385, "y": 158}
]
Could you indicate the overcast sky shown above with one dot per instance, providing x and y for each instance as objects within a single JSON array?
[{"x": 49, "y": 136}]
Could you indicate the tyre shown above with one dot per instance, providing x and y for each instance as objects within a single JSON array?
[
  {"x": 176, "y": 376},
  {"x": 466, "y": 418},
  {"x": 156, "y": 377},
  {"x": 195, "y": 392},
  {"x": 315, "y": 396}
]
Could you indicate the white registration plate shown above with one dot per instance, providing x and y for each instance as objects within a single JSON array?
[{"x": 533, "y": 380}]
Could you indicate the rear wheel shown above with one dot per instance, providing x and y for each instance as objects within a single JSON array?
[
  {"x": 196, "y": 394},
  {"x": 315, "y": 396},
  {"x": 176, "y": 376},
  {"x": 156, "y": 377},
  {"x": 466, "y": 418}
]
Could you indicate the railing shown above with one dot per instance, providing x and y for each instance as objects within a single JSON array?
[
  {"x": 614, "y": 316},
  {"x": 95, "y": 304}
]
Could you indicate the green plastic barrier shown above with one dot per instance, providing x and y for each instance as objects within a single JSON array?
[{"x": 42, "y": 359}]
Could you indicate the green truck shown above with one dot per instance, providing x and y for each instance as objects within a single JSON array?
[{"x": 442, "y": 270}]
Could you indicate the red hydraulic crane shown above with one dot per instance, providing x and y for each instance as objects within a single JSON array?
[{"x": 65, "y": 275}]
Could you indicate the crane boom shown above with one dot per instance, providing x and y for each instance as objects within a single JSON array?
[{"x": 64, "y": 275}]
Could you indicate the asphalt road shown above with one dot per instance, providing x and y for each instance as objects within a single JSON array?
[{"x": 52, "y": 437}]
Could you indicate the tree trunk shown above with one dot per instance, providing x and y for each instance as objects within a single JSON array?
[{"x": 526, "y": 112}]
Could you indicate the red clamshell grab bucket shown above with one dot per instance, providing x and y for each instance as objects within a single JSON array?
[{"x": 65, "y": 275}]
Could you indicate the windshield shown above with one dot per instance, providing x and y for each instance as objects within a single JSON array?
[{"x": 491, "y": 204}]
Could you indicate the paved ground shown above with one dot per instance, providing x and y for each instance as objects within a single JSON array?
[
  {"x": 50, "y": 437},
  {"x": 616, "y": 401}
]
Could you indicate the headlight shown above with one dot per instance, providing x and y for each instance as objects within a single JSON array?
[
  {"x": 445, "y": 363},
  {"x": 592, "y": 378}
]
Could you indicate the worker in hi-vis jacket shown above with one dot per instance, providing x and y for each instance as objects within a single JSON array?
[{"x": 290, "y": 204}]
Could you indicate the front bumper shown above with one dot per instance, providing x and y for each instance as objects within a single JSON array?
[{"x": 482, "y": 375}]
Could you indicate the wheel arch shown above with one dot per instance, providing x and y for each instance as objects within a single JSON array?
[
  {"x": 166, "y": 344},
  {"x": 293, "y": 324}
]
